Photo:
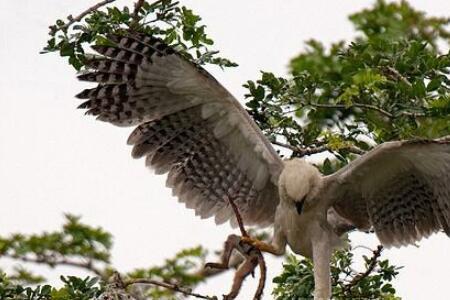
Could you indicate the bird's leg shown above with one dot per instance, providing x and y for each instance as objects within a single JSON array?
[{"x": 321, "y": 258}]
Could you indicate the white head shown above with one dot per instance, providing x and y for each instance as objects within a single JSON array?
[{"x": 297, "y": 181}]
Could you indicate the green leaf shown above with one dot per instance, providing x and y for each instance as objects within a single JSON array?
[
  {"x": 434, "y": 84},
  {"x": 419, "y": 88}
]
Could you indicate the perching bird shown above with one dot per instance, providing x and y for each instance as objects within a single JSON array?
[{"x": 191, "y": 127}]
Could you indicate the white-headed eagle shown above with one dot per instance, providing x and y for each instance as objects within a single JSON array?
[{"x": 191, "y": 127}]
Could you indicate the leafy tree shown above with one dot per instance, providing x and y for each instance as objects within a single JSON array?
[{"x": 390, "y": 83}]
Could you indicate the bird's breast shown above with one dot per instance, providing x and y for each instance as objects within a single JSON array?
[{"x": 299, "y": 230}]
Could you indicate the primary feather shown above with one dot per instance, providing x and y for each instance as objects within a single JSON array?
[
  {"x": 189, "y": 126},
  {"x": 400, "y": 189}
]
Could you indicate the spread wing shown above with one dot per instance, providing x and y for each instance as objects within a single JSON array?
[
  {"x": 400, "y": 189},
  {"x": 188, "y": 126}
]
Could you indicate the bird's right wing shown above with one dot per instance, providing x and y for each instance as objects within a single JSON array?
[{"x": 188, "y": 125}]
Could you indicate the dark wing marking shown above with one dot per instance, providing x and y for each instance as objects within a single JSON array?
[
  {"x": 188, "y": 126},
  {"x": 401, "y": 189}
]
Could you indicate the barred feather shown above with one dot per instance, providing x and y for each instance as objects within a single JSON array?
[
  {"x": 401, "y": 189},
  {"x": 188, "y": 126}
]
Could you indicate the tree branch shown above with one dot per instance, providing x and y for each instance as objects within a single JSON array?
[
  {"x": 300, "y": 152},
  {"x": 170, "y": 286},
  {"x": 116, "y": 283},
  {"x": 360, "y": 105},
  {"x": 363, "y": 106},
  {"x": 370, "y": 267},
  {"x": 393, "y": 73},
  {"x": 263, "y": 275},
  {"x": 137, "y": 7},
  {"x": 238, "y": 217},
  {"x": 53, "y": 262},
  {"x": 255, "y": 251},
  {"x": 78, "y": 18}
]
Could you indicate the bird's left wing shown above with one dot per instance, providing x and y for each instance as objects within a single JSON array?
[
  {"x": 188, "y": 125},
  {"x": 400, "y": 189}
]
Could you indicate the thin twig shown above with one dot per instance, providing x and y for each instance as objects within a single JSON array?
[
  {"x": 393, "y": 73},
  {"x": 300, "y": 152},
  {"x": 262, "y": 276},
  {"x": 371, "y": 266},
  {"x": 360, "y": 105},
  {"x": 411, "y": 114},
  {"x": 343, "y": 106},
  {"x": 78, "y": 18},
  {"x": 173, "y": 287},
  {"x": 238, "y": 217},
  {"x": 261, "y": 261},
  {"x": 137, "y": 7},
  {"x": 52, "y": 262},
  {"x": 361, "y": 247}
]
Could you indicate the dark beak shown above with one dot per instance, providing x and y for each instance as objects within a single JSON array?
[{"x": 299, "y": 206}]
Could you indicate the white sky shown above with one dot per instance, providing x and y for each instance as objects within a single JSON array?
[{"x": 55, "y": 160}]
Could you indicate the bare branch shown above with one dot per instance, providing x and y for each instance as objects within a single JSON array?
[
  {"x": 393, "y": 73},
  {"x": 370, "y": 267},
  {"x": 137, "y": 7},
  {"x": 238, "y": 217},
  {"x": 53, "y": 262},
  {"x": 170, "y": 286},
  {"x": 343, "y": 106},
  {"x": 300, "y": 152},
  {"x": 363, "y": 106},
  {"x": 262, "y": 276},
  {"x": 260, "y": 258},
  {"x": 411, "y": 114},
  {"x": 359, "y": 105},
  {"x": 78, "y": 18}
]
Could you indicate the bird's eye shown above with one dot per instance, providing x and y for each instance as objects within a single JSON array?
[{"x": 299, "y": 205}]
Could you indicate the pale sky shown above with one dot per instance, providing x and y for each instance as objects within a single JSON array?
[{"x": 55, "y": 160}]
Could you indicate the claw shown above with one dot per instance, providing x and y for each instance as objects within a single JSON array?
[
  {"x": 249, "y": 240},
  {"x": 261, "y": 246}
]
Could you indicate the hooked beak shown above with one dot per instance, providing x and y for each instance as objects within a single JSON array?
[{"x": 299, "y": 205}]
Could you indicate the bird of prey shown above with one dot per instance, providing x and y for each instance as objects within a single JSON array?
[{"x": 191, "y": 127}]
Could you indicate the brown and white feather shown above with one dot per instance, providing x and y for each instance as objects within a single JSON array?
[
  {"x": 189, "y": 126},
  {"x": 400, "y": 189}
]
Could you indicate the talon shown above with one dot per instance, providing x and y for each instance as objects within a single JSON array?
[
  {"x": 249, "y": 240},
  {"x": 260, "y": 245}
]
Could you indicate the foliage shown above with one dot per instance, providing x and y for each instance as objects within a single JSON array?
[
  {"x": 177, "y": 25},
  {"x": 76, "y": 244},
  {"x": 391, "y": 82},
  {"x": 82, "y": 246},
  {"x": 183, "y": 270},
  {"x": 74, "y": 289},
  {"x": 297, "y": 279}
]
